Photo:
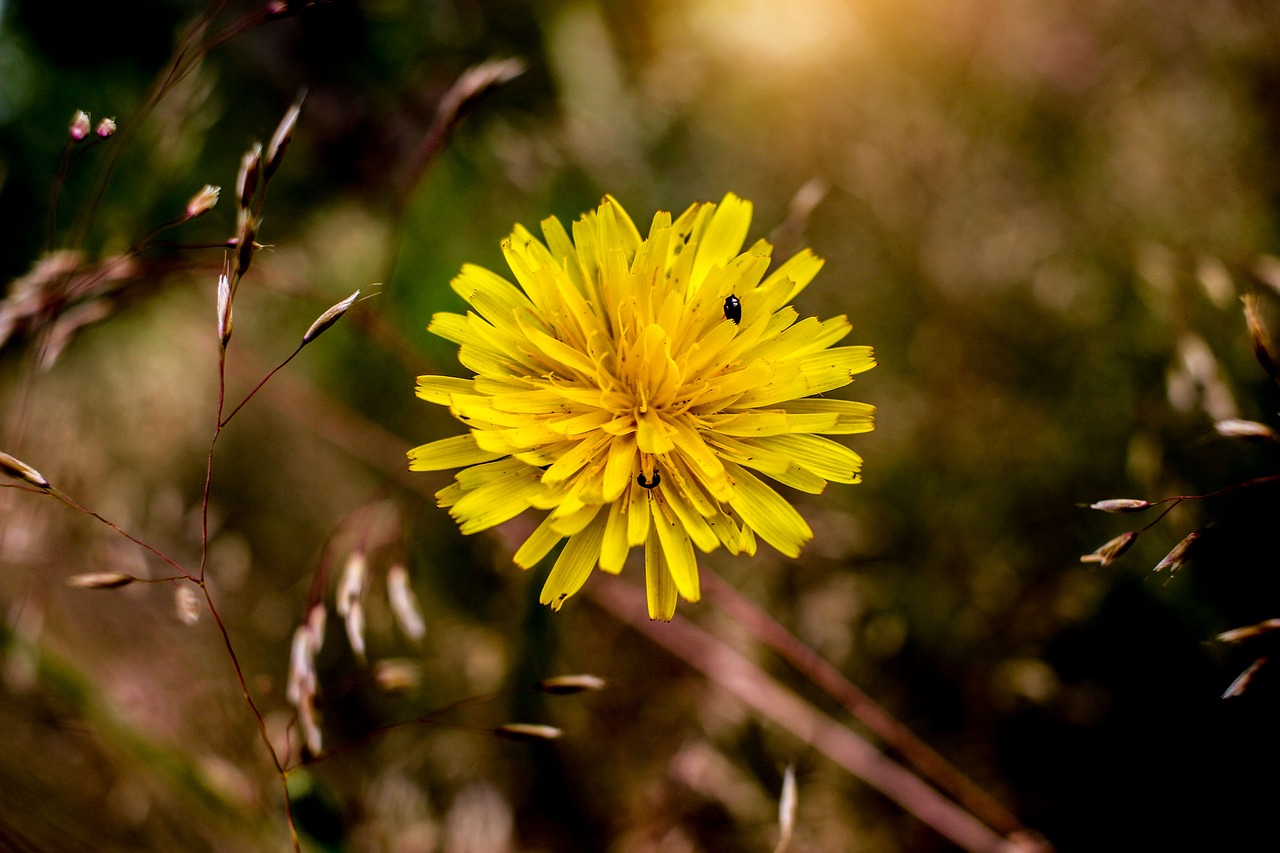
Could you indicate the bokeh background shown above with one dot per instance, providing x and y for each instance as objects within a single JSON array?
[{"x": 1042, "y": 216}]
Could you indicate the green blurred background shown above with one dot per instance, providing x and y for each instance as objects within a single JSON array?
[{"x": 1040, "y": 215}]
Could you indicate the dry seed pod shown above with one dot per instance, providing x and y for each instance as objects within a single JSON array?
[
  {"x": 1249, "y": 430},
  {"x": 224, "y": 310},
  {"x": 247, "y": 180},
  {"x": 281, "y": 138},
  {"x": 187, "y": 604},
  {"x": 404, "y": 605},
  {"x": 1259, "y": 338},
  {"x": 564, "y": 685},
  {"x": 1175, "y": 558},
  {"x": 1235, "y": 635},
  {"x": 316, "y": 620},
  {"x": 203, "y": 201},
  {"x": 787, "y": 802},
  {"x": 328, "y": 318},
  {"x": 100, "y": 580},
  {"x": 244, "y": 244},
  {"x": 1112, "y": 550},
  {"x": 1242, "y": 680},
  {"x": 11, "y": 466},
  {"x": 397, "y": 675},
  {"x": 350, "y": 589},
  {"x": 301, "y": 671},
  {"x": 309, "y": 720},
  {"x": 1121, "y": 505},
  {"x": 528, "y": 731},
  {"x": 79, "y": 126}
]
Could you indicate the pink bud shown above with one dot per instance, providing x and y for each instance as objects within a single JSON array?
[{"x": 79, "y": 126}]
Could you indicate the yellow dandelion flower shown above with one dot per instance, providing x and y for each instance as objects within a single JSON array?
[{"x": 630, "y": 386}]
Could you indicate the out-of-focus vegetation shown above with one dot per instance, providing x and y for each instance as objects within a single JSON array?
[{"x": 1042, "y": 217}]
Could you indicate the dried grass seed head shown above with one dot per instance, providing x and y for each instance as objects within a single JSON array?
[
  {"x": 13, "y": 467},
  {"x": 224, "y": 310},
  {"x": 203, "y": 201},
  {"x": 245, "y": 246},
  {"x": 282, "y": 137},
  {"x": 1241, "y": 684},
  {"x": 1247, "y": 430},
  {"x": 186, "y": 604},
  {"x": 348, "y": 600},
  {"x": 528, "y": 731},
  {"x": 788, "y": 802},
  {"x": 1112, "y": 549},
  {"x": 566, "y": 685},
  {"x": 404, "y": 604},
  {"x": 1259, "y": 337},
  {"x": 397, "y": 675},
  {"x": 80, "y": 125},
  {"x": 1236, "y": 635},
  {"x": 328, "y": 318},
  {"x": 247, "y": 179},
  {"x": 1175, "y": 558},
  {"x": 100, "y": 580},
  {"x": 1121, "y": 505}
]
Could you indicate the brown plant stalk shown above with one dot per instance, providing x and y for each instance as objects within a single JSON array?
[{"x": 732, "y": 672}]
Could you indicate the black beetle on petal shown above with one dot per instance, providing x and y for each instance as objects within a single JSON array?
[{"x": 733, "y": 309}]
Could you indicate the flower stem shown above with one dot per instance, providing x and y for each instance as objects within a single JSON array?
[
  {"x": 731, "y": 671},
  {"x": 926, "y": 761}
]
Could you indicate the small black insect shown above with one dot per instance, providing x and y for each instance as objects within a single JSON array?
[
  {"x": 733, "y": 309},
  {"x": 657, "y": 478}
]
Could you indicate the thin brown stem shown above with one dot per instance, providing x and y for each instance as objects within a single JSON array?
[
  {"x": 66, "y": 499},
  {"x": 926, "y": 761},
  {"x": 732, "y": 672},
  {"x": 257, "y": 715},
  {"x": 258, "y": 387}
]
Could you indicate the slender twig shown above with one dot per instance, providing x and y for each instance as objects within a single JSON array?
[
  {"x": 258, "y": 387},
  {"x": 734, "y": 673},
  {"x": 257, "y": 715},
  {"x": 1175, "y": 500},
  {"x": 66, "y": 499},
  {"x": 926, "y": 761}
]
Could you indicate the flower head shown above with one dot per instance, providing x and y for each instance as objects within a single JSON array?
[{"x": 630, "y": 387}]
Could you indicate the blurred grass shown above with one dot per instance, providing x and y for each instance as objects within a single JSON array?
[{"x": 1022, "y": 204}]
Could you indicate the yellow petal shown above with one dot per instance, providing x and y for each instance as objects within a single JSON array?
[
  {"x": 574, "y": 565},
  {"x": 573, "y": 461},
  {"x": 822, "y": 456},
  {"x": 768, "y": 514},
  {"x": 723, "y": 237},
  {"x": 614, "y": 547},
  {"x": 538, "y": 545},
  {"x": 660, "y": 587},
  {"x": 620, "y": 467},
  {"x": 818, "y": 373},
  {"x": 653, "y": 435},
  {"x": 561, "y": 248},
  {"x": 494, "y": 503},
  {"x": 449, "y": 453},
  {"x": 444, "y": 389},
  {"x": 637, "y": 514},
  {"x": 695, "y": 527},
  {"x": 851, "y": 416},
  {"x": 799, "y": 269},
  {"x": 475, "y": 281},
  {"x": 678, "y": 551}
]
